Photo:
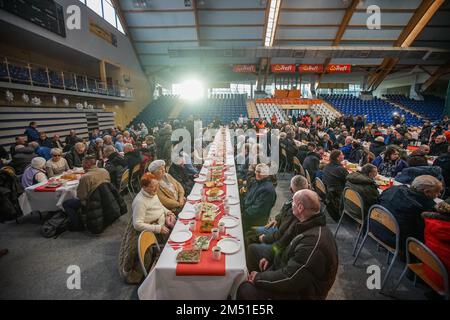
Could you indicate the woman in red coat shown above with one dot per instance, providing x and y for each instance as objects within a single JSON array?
[{"x": 437, "y": 238}]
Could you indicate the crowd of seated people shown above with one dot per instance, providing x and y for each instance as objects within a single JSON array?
[{"x": 282, "y": 264}]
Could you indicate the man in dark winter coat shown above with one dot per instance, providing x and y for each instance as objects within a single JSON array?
[
  {"x": 180, "y": 173},
  {"x": 89, "y": 182},
  {"x": 164, "y": 143},
  {"x": 75, "y": 156},
  {"x": 132, "y": 156},
  {"x": 407, "y": 175},
  {"x": 334, "y": 178},
  {"x": 425, "y": 133},
  {"x": 356, "y": 153},
  {"x": 277, "y": 227},
  {"x": 259, "y": 200},
  {"x": 104, "y": 206},
  {"x": 22, "y": 158},
  {"x": 439, "y": 146},
  {"x": 312, "y": 161},
  {"x": 443, "y": 161},
  {"x": 363, "y": 182},
  {"x": 407, "y": 204},
  {"x": 304, "y": 265},
  {"x": 378, "y": 146},
  {"x": 115, "y": 165}
]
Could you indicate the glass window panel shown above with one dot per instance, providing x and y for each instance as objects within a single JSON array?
[
  {"x": 109, "y": 12},
  {"x": 96, "y": 6}
]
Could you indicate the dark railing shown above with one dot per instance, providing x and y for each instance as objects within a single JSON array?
[{"x": 16, "y": 71}]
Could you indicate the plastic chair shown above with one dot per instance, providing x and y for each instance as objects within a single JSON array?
[
  {"x": 382, "y": 215},
  {"x": 426, "y": 257},
  {"x": 321, "y": 189},
  {"x": 350, "y": 195},
  {"x": 145, "y": 241}
]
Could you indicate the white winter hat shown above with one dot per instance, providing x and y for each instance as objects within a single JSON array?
[{"x": 38, "y": 163}]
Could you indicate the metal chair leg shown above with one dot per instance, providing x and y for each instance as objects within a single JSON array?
[
  {"x": 389, "y": 270},
  {"x": 357, "y": 240},
  {"x": 388, "y": 256},
  {"x": 415, "y": 280},
  {"x": 360, "y": 248},
  {"x": 339, "y": 224},
  {"x": 399, "y": 280}
]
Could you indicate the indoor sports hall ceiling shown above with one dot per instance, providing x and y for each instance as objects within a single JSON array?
[{"x": 170, "y": 34}]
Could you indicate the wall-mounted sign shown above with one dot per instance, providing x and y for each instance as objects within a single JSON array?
[
  {"x": 310, "y": 68},
  {"x": 244, "y": 68},
  {"x": 339, "y": 68},
  {"x": 102, "y": 33},
  {"x": 283, "y": 68}
]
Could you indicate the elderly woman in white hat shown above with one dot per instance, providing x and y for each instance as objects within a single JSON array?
[
  {"x": 34, "y": 173},
  {"x": 170, "y": 191},
  {"x": 57, "y": 164}
]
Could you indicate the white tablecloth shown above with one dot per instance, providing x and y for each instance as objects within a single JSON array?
[
  {"x": 163, "y": 283},
  {"x": 31, "y": 200}
]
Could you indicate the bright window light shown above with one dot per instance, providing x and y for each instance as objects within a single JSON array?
[
  {"x": 191, "y": 90},
  {"x": 272, "y": 22}
]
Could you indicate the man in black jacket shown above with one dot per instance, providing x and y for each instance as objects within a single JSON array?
[
  {"x": 356, "y": 153},
  {"x": 132, "y": 156},
  {"x": 407, "y": 205},
  {"x": 304, "y": 265},
  {"x": 272, "y": 231},
  {"x": 439, "y": 146},
  {"x": 312, "y": 161},
  {"x": 425, "y": 133},
  {"x": 334, "y": 178},
  {"x": 22, "y": 158},
  {"x": 75, "y": 156},
  {"x": 259, "y": 200},
  {"x": 115, "y": 165},
  {"x": 443, "y": 161}
]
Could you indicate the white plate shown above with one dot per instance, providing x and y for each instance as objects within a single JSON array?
[
  {"x": 229, "y": 245},
  {"x": 72, "y": 183},
  {"x": 233, "y": 201},
  {"x": 229, "y": 182},
  {"x": 200, "y": 179},
  {"x": 194, "y": 197},
  {"x": 230, "y": 222},
  {"x": 221, "y": 192},
  {"x": 229, "y": 173},
  {"x": 181, "y": 236},
  {"x": 186, "y": 214}
]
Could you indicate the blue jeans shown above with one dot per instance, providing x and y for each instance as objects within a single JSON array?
[{"x": 262, "y": 230}]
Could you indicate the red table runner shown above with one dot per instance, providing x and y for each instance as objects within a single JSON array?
[
  {"x": 46, "y": 188},
  {"x": 412, "y": 148},
  {"x": 207, "y": 265}
]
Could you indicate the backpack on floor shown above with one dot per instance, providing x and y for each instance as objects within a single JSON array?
[{"x": 56, "y": 225}]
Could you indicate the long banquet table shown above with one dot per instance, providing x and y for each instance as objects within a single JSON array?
[{"x": 162, "y": 283}]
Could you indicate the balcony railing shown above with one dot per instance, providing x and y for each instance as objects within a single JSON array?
[{"x": 16, "y": 71}]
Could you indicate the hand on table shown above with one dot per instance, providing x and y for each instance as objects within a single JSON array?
[{"x": 170, "y": 220}]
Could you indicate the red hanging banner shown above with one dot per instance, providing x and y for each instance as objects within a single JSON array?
[
  {"x": 339, "y": 68},
  {"x": 244, "y": 68},
  {"x": 310, "y": 68},
  {"x": 283, "y": 68}
]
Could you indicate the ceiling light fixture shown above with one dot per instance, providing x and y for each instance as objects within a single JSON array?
[{"x": 272, "y": 22}]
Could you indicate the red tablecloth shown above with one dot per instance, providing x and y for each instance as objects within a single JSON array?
[
  {"x": 207, "y": 265},
  {"x": 46, "y": 188},
  {"x": 412, "y": 148}
]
